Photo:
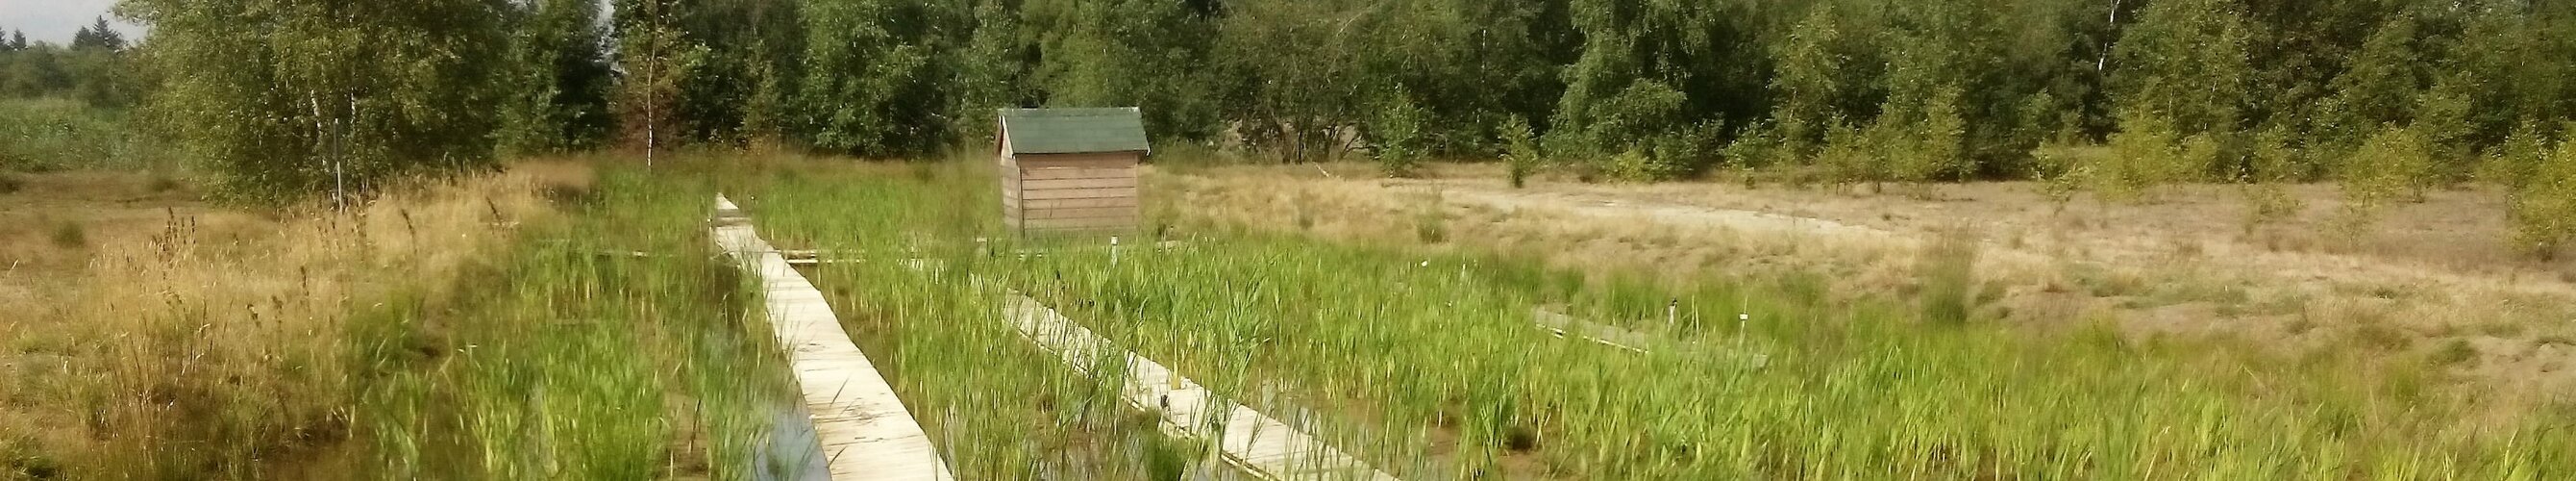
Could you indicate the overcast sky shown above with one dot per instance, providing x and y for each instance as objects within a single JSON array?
[{"x": 55, "y": 20}]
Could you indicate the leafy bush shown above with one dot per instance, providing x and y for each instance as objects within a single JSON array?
[
  {"x": 2544, "y": 204},
  {"x": 2062, "y": 168},
  {"x": 2146, "y": 153},
  {"x": 2272, "y": 164},
  {"x": 2396, "y": 163},
  {"x": 1924, "y": 143},
  {"x": 2517, "y": 162},
  {"x": 1521, "y": 156},
  {"x": 1758, "y": 147},
  {"x": 1847, "y": 154},
  {"x": 1396, "y": 139}
]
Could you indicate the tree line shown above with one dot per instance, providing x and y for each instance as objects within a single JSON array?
[
  {"x": 2119, "y": 94},
  {"x": 91, "y": 68}
]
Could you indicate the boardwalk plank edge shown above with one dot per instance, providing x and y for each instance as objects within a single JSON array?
[
  {"x": 864, "y": 430},
  {"x": 1248, "y": 440}
]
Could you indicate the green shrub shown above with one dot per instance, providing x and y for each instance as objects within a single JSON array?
[
  {"x": 2394, "y": 164},
  {"x": 1848, "y": 156},
  {"x": 2146, "y": 153},
  {"x": 2062, "y": 168},
  {"x": 1396, "y": 139},
  {"x": 2517, "y": 162},
  {"x": 2268, "y": 169},
  {"x": 1758, "y": 147},
  {"x": 1521, "y": 157},
  {"x": 2544, "y": 204},
  {"x": 1925, "y": 143},
  {"x": 1633, "y": 164}
]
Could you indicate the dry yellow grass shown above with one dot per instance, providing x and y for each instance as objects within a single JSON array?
[{"x": 217, "y": 342}]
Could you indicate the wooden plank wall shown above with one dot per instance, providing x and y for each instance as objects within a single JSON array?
[{"x": 1071, "y": 193}]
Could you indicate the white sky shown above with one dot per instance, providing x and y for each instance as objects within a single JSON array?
[{"x": 55, "y": 20}]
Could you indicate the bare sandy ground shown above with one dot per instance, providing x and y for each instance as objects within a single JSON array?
[{"x": 2435, "y": 279}]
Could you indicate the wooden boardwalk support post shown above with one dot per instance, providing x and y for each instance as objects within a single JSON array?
[{"x": 865, "y": 432}]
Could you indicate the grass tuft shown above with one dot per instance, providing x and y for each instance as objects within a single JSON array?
[
  {"x": 70, "y": 235},
  {"x": 1947, "y": 270}
]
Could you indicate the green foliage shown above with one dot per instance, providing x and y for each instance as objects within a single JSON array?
[
  {"x": 2146, "y": 153},
  {"x": 2064, "y": 169},
  {"x": 92, "y": 72},
  {"x": 2394, "y": 164},
  {"x": 656, "y": 57},
  {"x": 1851, "y": 156},
  {"x": 287, "y": 98},
  {"x": 1149, "y": 54},
  {"x": 2442, "y": 115},
  {"x": 1760, "y": 146},
  {"x": 2185, "y": 62},
  {"x": 2380, "y": 87},
  {"x": 2543, "y": 205},
  {"x": 1924, "y": 142},
  {"x": 873, "y": 75},
  {"x": 558, "y": 78},
  {"x": 60, "y": 134},
  {"x": 1811, "y": 83},
  {"x": 2273, "y": 164},
  {"x": 1396, "y": 139},
  {"x": 1946, "y": 271},
  {"x": 2517, "y": 162},
  {"x": 1521, "y": 157}
]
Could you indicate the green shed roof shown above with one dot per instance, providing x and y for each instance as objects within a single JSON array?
[{"x": 1075, "y": 131}]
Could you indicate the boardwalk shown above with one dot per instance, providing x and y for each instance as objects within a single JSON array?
[
  {"x": 864, "y": 431},
  {"x": 1255, "y": 443},
  {"x": 1561, "y": 325}
]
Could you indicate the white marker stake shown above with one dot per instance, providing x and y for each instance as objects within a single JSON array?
[
  {"x": 1113, "y": 251},
  {"x": 1673, "y": 314},
  {"x": 1741, "y": 319}
]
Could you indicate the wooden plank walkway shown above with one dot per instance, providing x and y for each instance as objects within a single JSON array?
[
  {"x": 1564, "y": 325},
  {"x": 1255, "y": 443},
  {"x": 1567, "y": 326},
  {"x": 865, "y": 432}
]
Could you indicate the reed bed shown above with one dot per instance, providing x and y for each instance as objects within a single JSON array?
[
  {"x": 1427, "y": 362},
  {"x": 998, "y": 406},
  {"x": 616, "y": 344}
]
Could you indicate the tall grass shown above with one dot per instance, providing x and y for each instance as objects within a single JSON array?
[
  {"x": 591, "y": 362},
  {"x": 1854, "y": 390},
  {"x": 997, "y": 406},
  {"x": 224, "y": 353},
  {"x": 46, "y": 134},
  {"x": 1426, "y": 362}
]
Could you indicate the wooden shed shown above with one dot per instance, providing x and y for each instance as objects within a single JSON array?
[{"x": 1071, "y": 170}]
